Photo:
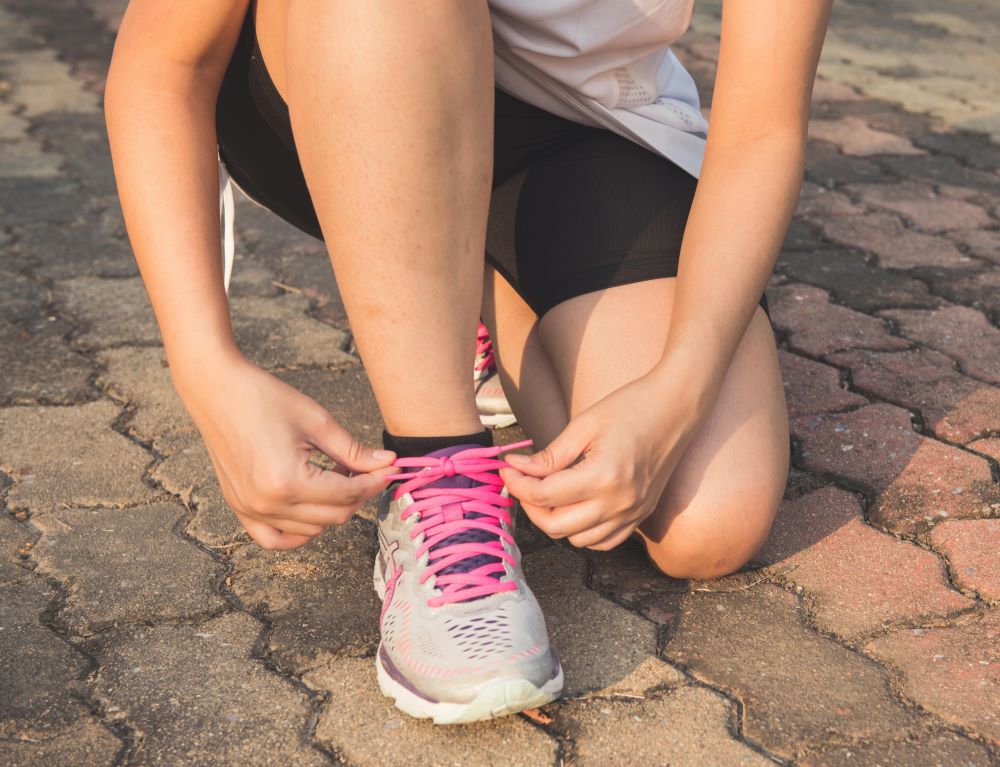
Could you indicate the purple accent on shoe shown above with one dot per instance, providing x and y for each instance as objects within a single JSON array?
[
  {"x": 472, "y": 536},
  {"x": 397, "y": 675}
]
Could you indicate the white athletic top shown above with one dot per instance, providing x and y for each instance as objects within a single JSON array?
[{"x": 606, "y": 63}]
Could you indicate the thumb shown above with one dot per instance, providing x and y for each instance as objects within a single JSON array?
[
  {"x": 335, "y": 441},
  {"x": 558, "y": 455}
]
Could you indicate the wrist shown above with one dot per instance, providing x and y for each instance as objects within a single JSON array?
[
  {"x": 195, "y": 366},
  {"x": 690, "y": 381}
]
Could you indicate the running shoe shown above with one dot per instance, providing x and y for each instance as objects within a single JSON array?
[
  {"x": 494, "y": 410},
  {"x": 463, "y": 637}
]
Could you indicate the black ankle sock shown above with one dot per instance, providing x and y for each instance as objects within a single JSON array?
[{"x": 405, "y": 447}]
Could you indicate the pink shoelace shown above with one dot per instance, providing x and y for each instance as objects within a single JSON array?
[
  {"x": 484, "y": 349},
  {"x": 445, "y": 511}
]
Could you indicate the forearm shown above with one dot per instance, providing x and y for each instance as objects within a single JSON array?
[
  {"x": 745, "y": 200},
  {"x": 161, "y": 124}
]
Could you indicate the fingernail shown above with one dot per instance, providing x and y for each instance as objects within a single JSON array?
[
  {"x": 518, "y": 459},
  {"x": 383, "y": 455}
]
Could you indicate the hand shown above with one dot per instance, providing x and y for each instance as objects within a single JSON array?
[
  {"x": 630, "y": 443},
  {"x": 259, "y": 432}
]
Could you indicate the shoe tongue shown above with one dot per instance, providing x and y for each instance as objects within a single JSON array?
[{"x": 469, "y": 536}]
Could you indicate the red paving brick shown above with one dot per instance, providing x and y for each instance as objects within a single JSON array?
[
  {"x": 812, "y": 387},
  {"x": 989, "y": 446},
  {"x": 954, "y": 406},
  {"x": 817, "y": 202},
  {"x": 818, "y": 327},
  {"x": 981, "y": 243},
  {"x": 854, "y": 137},
  {"x": 850, "y": 571},
  {"x": 952, "y": 671},
  {"x": 962, "y": 333},
  {"x": 918, "y": 480},
  {"x": 972, "y": 546},
  {"x": 896, "y": 246},
  {"x": 922, "y": 207}
]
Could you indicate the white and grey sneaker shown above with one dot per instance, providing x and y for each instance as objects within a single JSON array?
[
  {"x": 462, "y": 635},
  {"x": 494, "y": 409}
]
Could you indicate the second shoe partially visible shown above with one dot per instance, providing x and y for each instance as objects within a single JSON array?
[
  {"x": 494, "y": 410},
  {"x": 463, "y": 637}
]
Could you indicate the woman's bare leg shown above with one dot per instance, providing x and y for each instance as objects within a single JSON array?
[
  {"x": 719, "y": 504},
  {"x": 392, "y": 110}
]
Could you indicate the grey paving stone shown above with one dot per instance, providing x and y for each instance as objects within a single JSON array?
[
  {"x": 195, "y": 695},
  {"x": 82, "y": 141},
  {"x": 110, "y": 312},
  {"x": 945, "y": 750},
  {"x": 599, "y": 642},
  {"x": 140, "y": 378},
  {"x": 40, "y": 82},
  {"x": 319, "y": 598},
  {"x": 13, "y": 537},
  {"x": 69, "y": 456},
  {"x": 55, "y": 201},
  {"x": 27, "y": 159},
  {"x": 277, "y": 333},
  {"x": 39, "y": 366},
  {"x": 364, "y": 729},
  {"x": 799, "y": 689},
  {"x": 84, "y": 743},
  {"x": 189, "y": 475},
  {"x": 125, "y": 566},
  {"x": 679, "y": 727},
  {"x": 88, "y": 247},
  {"x": 942, "y": 170},
  {"x": 42, "y": 675}
]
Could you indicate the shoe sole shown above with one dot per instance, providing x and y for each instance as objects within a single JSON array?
[{"x": 500, "y": 698}]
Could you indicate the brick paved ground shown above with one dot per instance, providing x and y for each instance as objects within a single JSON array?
[{"x": 138, "y": 626}]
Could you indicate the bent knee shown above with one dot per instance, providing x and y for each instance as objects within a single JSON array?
[{"x": 702, "y": 543}]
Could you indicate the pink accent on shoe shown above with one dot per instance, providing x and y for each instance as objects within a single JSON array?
[
  {"x": 442, "y": 512},
  {"x": 484, "y": 350}
]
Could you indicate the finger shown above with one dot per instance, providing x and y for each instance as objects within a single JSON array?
[
  {"x": 596, "y": 533},
  {"x": 330, "y": 488},
  {"x": 323, "y": 516},
  {"x": 560, "y": 453},
  {"x": 271, "y": 538},
  {"x": 582, "y": 518},
  {"x": 337, "y": 442},
  {"x": 562, "y": 488},
  {"x": 539, "y": 515},
  {"x": 614, "y": 540}
]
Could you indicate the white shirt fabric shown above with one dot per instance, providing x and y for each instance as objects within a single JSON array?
[{"x": 606, "y": 63}]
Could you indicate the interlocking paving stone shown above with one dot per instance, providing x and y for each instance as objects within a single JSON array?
[
  {"x": 188, "y": 474},
  {"x": 111, "y": 312},
  {"x": 84, "y": 743},
  {"x": 955, "y": 407},
  {"x": 799, "y": 690},
  {"x": 958, "y": 331},
  {"x": 599, "y": 642},
  {"x": 42, "y": 678},
  {"x": 850, "y": 571},
  {"x": 918, "y": 480},
  {"x": 123, "y": 566},
  {"x": 817, "y": 327},
  {"x": 319, "y": 598},
  {"x": 945, "y": 750},
  {"x": 140, "y": 378},
  {"x": 921, "y": 206},
  {"x": 942, "y": 170},
  {"x": 952, "y": 671},
  {"x": 91, "y": 246},
  {"x": 277, "y": 333},
  {"x": 854, "y": 282},
  {"x": 817, "y": 202},
  {"x": 854, "y": 137},
  {"x": 195, "y": 696},
  {"x": 896, "y": 246},
  {"x": 69, "y": 456},
  {"x": 685, "y": 726},
  {"x": 40, "y": 367},
  {"x": 13, "y": 537},
  {"x": 812, "y": 387},
  {"x": 982, "y": 243},
  {"x": 827, "y": 166},
  {"x": 973, "y": 149},
  {"x": 979, "y": 290},
  {"x": 363, "y": 728},
  {"x": 990, "y": 446},
  {"x": 971, "y": 546}
]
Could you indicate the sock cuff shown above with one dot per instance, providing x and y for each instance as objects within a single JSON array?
[{"x": 415, "y": 446}]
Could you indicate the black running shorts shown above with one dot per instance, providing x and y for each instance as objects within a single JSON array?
[{"x": 575, "y": 209}]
